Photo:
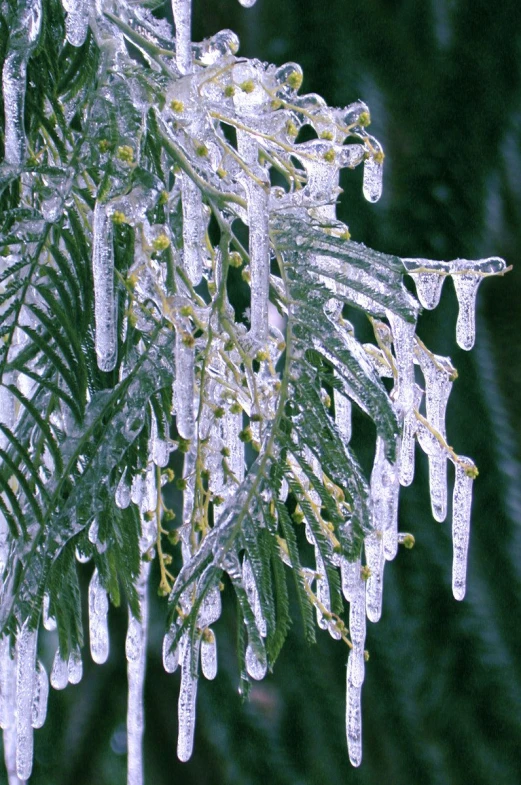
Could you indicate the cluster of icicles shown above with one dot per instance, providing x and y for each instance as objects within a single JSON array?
[{"x": 261, "y": 102}]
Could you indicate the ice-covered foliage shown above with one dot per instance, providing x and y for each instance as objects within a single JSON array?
[{"x": 155, "y": 178}]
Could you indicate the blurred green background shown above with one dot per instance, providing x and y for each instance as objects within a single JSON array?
[{"x": 442, "y": 698}]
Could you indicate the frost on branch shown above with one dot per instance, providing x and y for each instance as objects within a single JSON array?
[{"x": 123, "y": 344}]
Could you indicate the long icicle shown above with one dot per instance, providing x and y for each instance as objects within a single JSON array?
[
  {"x": 104, "y": 301},
  {"x": 25, "y": 681}
]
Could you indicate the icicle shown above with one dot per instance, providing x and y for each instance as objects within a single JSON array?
[
  {"x": 22, "y": 39},
  {"x": 374, "y": 557},
  {"x": 209, "y": 654},
  {"x": 357, "y": 628},
  {"x": 76, "y": 21},
  {"x": 385, "y": 491},
  {"x": 373, "y": 172},
  {"x": 353, "y": 720},
  {"x": 59, "y": 672},
  {"x": 343, "y": 415},
  {"x": 324, "y": 597},
  {"x": 75, "y": 667},
  {"x": 461, "y": 504},
  {"x": 186, "y": 705},
  {"x": 193, "y": 229},
  {"x": 98, "y": 626},
  {"x": 25, "y": 680},
  {"x": 429, "y": 281},
  {"x": 40, "y": 697},
  {"x": 8, "y": 709},
  {"x": 184, "y": 387},
  {"x": 159, "y": 449},
  {"x": 253, "y": 596},
  {"x": 439, "y": 374},
  {"x": 182, "y": 11},
  {"x": 122, "y": 497},
  {"x": 403, "y": 341},
  {"x": 135, "y": 649},
  {"x": 350, "y": 573},
  {"x": 104, "y": 300},
  {"x": 255, "y": 665},
  {"x": 170, "y": 657},
  {"x": 49, "y": 622},
  {"x": 466, "y": 286}
]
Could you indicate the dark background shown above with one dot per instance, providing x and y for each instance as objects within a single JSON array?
[{"x": 442, "y": 698}]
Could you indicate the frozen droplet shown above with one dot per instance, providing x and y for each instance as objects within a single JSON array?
[
  {"x": 75, "y": 667},
  {"x": 104, "y": 300},
  {"x": 350, "y": 574},
  {"x": 25, "y": 681},
  {"x": 76, "y": 21},
  {"x": 247, "y": 3},
  {"x": 40, "y": 697},
  {"x": 461, "y": 504},
  {"x": 428, "y": 288},
  {"x": 209, "y": 655},
  {"x": 60, "y": 672},
  {"x": 466, "y": 286}
]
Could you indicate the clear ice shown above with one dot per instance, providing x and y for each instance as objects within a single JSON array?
[
  {"x": 104, "y": 299},
  {"x": 461, "y": 504}
]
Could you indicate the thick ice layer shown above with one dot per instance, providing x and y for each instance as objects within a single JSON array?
[
  {"x": 461, "y": 504},
  {"x": 25, "y": 683},
  {"x": 98, "y": 622},
  {"x": 104, "y": 300}
]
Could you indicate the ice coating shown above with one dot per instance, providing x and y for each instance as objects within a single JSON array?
[
  {"x": 343, "y": 415},
  {"x": 429, "y": 278},
  {"x": 159, "y": 448},
  {"x": 373, "y": 172},
  {"x": 98, "y": 622},
  {"x": 135, "y": 647},
  {"x": 384, "y": 495},
  {"x": 255, "y": 665},
  {"x": 253, "y": 596},
  {"x": 25, "y": 681},
  {"x": 350, "y": 574},
  {"x": 104, "y": 299},
  {"x": 122, "y": 496},
  {"x": 466, "y": 286},
  {"x": 49, "y": 622},
  {"x": 461, "y": 504},
  {"x": 170, "y": 656}
]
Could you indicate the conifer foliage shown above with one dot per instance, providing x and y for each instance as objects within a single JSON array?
[{"x": 150, "y": 186}]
